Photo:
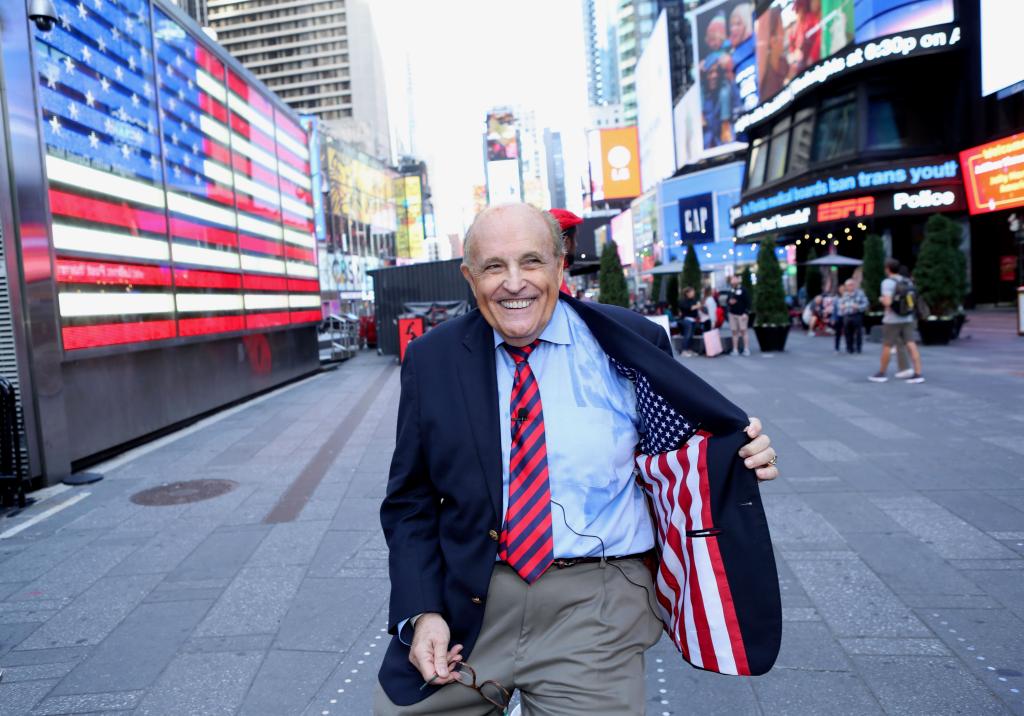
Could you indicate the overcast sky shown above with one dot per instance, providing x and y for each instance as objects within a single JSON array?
[{"x": 467, "y": 56}]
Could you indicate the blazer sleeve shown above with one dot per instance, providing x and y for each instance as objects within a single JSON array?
[{"x": 409, "y": 514}]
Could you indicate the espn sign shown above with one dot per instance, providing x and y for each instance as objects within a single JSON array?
[{"x": 845, "y": 208}]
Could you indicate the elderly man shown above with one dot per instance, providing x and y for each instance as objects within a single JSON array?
[{"x": 518, "y": 530}]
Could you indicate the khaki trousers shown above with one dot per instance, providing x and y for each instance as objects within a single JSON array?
[{"x": 572, "y": 643}]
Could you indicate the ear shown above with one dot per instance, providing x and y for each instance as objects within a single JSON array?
[{"x": 468, "y": 276}]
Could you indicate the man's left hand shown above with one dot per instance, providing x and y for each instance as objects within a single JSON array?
[{"x": 759, "y": 453}]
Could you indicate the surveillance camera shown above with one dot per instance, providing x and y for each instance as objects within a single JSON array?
[{"x": 43, "y": 14}]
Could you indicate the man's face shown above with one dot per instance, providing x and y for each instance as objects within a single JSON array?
[
  {"x": 514, "y": 273},
  {"x": 714, "y": 36},
  {"x": 735, "y": 281}
]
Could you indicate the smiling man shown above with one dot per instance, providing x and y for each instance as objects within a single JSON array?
[{"x": 519, "y": 530}]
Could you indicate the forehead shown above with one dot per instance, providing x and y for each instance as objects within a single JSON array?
[{"x": 509, "y": 233}]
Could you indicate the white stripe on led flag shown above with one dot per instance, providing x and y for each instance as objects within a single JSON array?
[
  {"x": 205, "y": 302},
  {"x": 258, "y": 190},
  {"x": 257, "y": 301},
  {"x": 258, "y": 226},
  {"x": 217, "y": 172},
  {"x": 296, "y": 207},
  {"x": 237, "y": 104},
  {"x": 296, "y": 269},
  {"x": 304, "y": 301},
  {"x": 206, "y": 211},
  {"x": 293, "y": 176},
  {"x": 77, "y": 305},
  {"x": 299, "y": 238},
  {"x": 211, "y": 86},
  {"x": 293, "y": 146},
  {"x": 214, "y": 129},
  {"x": 261, "y": 264},
  {"x": 65, "y": 172},
  {"x": 204, "y": 257},
  {"x": 243, "y": 146},
  {"x": 77, "y": 238}
]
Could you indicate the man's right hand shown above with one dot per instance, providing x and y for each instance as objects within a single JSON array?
[{"x": 430, "y": 653}]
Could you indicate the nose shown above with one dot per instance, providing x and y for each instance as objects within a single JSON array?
[{"x": 514, "y": 281}]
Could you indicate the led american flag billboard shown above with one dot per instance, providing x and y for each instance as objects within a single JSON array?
[{"x": 180, "y": 193}]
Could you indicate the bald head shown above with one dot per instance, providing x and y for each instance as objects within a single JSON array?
[{"x": 508, "y": 219}]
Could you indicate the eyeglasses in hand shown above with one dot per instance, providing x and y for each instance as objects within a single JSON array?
[{"x": 489, "y": 690}]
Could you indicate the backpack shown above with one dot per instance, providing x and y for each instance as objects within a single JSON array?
[
  {"x": 719, "y": 317},
  {"x": 904, "y": 298}
]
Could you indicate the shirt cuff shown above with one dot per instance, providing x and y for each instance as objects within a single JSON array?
[{"x": 411, "y": 622}]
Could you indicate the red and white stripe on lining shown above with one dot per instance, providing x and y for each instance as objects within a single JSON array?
[{"x": 691, "y": 585}]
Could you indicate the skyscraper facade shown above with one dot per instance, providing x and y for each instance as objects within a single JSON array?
[
  {"x": 556, "y": 167},
  {"x": 634, "y": 20},
  {"x": 196, "y": 9}
]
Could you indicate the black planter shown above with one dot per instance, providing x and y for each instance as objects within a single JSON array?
[
  {"x": 771, "y": 338},
  {"x": 936, "y": 331},
  {"x": 958, "y": 323}
]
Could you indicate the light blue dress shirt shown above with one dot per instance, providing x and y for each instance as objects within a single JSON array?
[{"x": 585, "y": 402}]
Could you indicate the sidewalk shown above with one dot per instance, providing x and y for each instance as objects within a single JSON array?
[{"x": 898, "y": 524}]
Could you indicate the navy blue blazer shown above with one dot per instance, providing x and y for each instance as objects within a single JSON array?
[{"x": 442, "y": 511}]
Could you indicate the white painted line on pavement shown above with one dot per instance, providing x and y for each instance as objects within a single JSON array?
[
  {"x": 136, "y": 453},
  {"x": 43, "y": 515},
  {"x": 47, "y": 492}
]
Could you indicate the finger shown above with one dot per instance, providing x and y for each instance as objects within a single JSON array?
[
  {"x": 755, "y": 446},
  {"x": 767, "y": 473},
  {"x": 441, "y": 659},
  {"x": 754, "y": 429},
  {"x": 420, "y": 658}
]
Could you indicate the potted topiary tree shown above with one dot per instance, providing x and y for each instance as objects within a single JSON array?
[
  {"x": 656, "y": 285},
  {"x": 936, "y": 281},
  {"x": 772, "y": 324},
  {"x": 611, "y": 280},
  {"x": 692, "y": 275},
  {"x": 874, "y": 272},
  {"x": 748, "y": 288}
]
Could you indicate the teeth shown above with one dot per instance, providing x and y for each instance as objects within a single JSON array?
[{"x": 521, "y": 303}]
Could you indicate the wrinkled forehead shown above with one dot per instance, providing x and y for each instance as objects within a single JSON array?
[{"x": 510, "y": 232}]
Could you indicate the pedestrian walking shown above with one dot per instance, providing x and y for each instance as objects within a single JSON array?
[
  {"x": 852, "y": 307},
  {"x": 516, "y": 531},
  {"x": 836, "y": 315},
  {"x": 899, "y": 297},
  {"x": 738, "y": 303},
  {"x": 689, "y": 317}
]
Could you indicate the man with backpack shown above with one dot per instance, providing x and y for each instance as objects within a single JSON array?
[{"x": 899, "y": 297}]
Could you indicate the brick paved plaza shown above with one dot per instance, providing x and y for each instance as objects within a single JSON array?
[{"x": 898, "y": 527}]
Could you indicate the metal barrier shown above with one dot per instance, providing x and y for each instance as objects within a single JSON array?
[
  {"x": 12, "y": 478},
  {"x": 339, "y": 337}
]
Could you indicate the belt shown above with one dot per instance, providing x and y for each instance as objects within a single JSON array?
[{"x": 565, "y": 562}]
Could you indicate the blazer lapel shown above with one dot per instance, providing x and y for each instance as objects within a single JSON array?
[{"x": 479, "y": 385}]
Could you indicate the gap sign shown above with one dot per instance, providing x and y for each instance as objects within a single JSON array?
[{"x": 697, "y": 219}]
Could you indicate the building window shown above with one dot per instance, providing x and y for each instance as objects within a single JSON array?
[
  {"x": 835, "y": 132},
  {"x": 800, "y": 141},
  {"x": 777, "y": 151},
  {"x": 758, "y": 159}
]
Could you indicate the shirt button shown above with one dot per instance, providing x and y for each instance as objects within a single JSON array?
[
  {"x": 477, "y": 600},
  {"x": 493, "y": 534}
]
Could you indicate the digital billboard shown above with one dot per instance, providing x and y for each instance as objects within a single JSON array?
[
  {"x": 409, "y": 235},
  {"x": 723, "y": 45},
  {"x": 362, "y": 188},
  {"x": 994, "y": 175},
  {"x": 622, "y": 235},
  {"x": 502, "y": 140},
  {"x": 878, "y": 18},
  {"x": 179, "y": 193},
  {"x": 614, "y": 163},
  {"x": 654, "y": 107},
  {"x": 1001, "y": 66}
]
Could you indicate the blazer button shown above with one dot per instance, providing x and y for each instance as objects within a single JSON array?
[
  {"x": 493, "y": 534},
  {"x": 477, "y": 600}
]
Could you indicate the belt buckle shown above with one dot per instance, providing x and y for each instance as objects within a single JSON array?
[{"x": 563, "y": 563}]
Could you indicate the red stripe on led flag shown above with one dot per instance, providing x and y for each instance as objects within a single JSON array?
[
  {"x": 257, "y": 206},
  {"x": 264, "y": 283},
  {"x": 209, "y": 63},
  {"x": 290, "y": 127},
  {"x": 254, "y": 134},
  {"x": 104, "y": 272},
  {"x": 296, "y": 222},
  {"x": 252, "y": 170},
  {"x": 213, "y": 108},
  {"x": 266, "y": 320},
  {"x": 109, "y": 334},
  {"x": 263, "y": 246},
  {"x": 300, "y": 165},
  {"x": 106, "y": 212},
  {"x": 180, "y": 228},
  {"x": 192, "y": 278},
  {"x": 220, "y": 194},
  {"x": 300, "y": 254},
  {"x": 301, "y": 286},
  {"x": 216, "y": 151},
  {"x": 306, "y": 317},
  {"x": 217, "y": 324}
]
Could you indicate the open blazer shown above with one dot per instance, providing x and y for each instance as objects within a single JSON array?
[{"x": 716, "y": 580}]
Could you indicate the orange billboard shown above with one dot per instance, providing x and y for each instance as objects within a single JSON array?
[
  {"x": 614, "y": 163},
  {"x": 994, "y": 175}
]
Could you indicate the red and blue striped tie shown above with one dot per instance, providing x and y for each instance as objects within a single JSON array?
[{"x": 526, "y": 541}]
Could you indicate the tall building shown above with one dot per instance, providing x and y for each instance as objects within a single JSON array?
[
  {"x": 634, "y": 20},
  {"x": 555, "y": 166},
  {"x": 600, "y": 43},
  {"x": 534, "y": 166},
  {"x": 319, "y": 56},
  {"x": 196, "y": 9}
]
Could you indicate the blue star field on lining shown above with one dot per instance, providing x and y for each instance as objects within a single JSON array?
[{"x": 662, "y": 428}]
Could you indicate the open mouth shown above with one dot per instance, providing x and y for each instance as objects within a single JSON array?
[{"x": 516, "y": 303}]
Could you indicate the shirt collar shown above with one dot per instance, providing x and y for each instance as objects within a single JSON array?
[{"x": 557, "y": 330}]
